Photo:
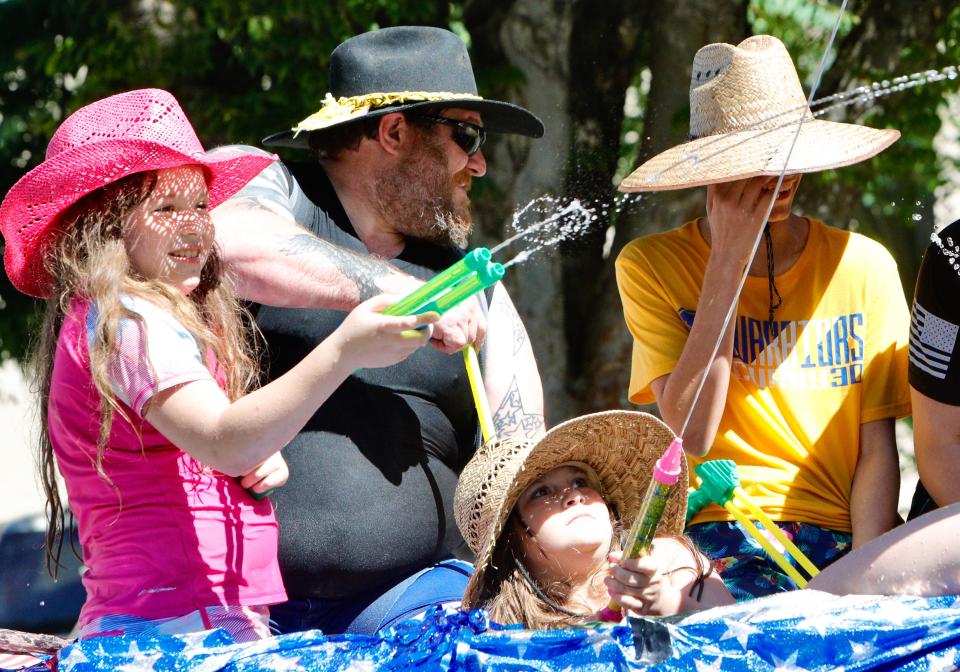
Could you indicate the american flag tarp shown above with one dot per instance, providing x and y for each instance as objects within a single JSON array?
[{"x": 805, "y": 630}]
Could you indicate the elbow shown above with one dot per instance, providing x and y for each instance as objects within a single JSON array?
[
  {"x": 228, "y": 460},
  {"x": 233, "y": 470}
]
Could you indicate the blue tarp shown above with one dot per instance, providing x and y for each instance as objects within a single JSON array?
[{"x": 804, "y": 630}]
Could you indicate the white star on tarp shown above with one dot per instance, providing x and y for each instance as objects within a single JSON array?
[
  {"x": 281, "y": 663},
  {"x": 740, "y": 631},
  {"x": 74, "y": 657},
  {"x": 599, "y": 640},
  {"x": 142, "y": 660},
  {"x": 788, "y": 665},
  {"x": 863, "y": 650},
  {"x": 715, "y": 666},
  {"x": 817, "y": 624},
  {"x": 944, "y": 661}
]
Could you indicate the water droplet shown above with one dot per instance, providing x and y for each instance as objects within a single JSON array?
[
  {"x": 916, "y": 216},
  {"x": 43, "y": 603}
]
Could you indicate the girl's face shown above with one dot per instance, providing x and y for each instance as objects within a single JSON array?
[
  {"x": 568, "y": 528},
  {"x": 169, "y": 235}
]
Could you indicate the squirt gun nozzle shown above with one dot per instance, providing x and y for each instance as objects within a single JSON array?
[{"x": 472, "y": 274}]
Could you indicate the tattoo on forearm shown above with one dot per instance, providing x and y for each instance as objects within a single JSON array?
[
  {"x": 511, "y": 419},
  {"x": 363, "y": 271},
  {"x": 518, "y": 333}
]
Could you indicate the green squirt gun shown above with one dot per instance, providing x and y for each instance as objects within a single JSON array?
[{"x": 472, "y": 274}]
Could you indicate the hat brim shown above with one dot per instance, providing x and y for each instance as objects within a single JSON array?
[
  {"x": 820, "y": 145},
  {"x": 498, "y": 117},
  {"x": 622, "y": 447},
  {"x": 29, "y": 223}
]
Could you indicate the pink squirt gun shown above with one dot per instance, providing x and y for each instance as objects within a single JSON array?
[{"x": 666, "y": 473}]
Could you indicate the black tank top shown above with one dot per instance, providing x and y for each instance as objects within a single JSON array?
[{"x": 372, "y": 475}]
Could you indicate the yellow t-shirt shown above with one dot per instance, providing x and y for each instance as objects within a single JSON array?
[{"x": 834, "y": 357}]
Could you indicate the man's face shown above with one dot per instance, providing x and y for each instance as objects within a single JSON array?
[{"x": 426, "y": 195}]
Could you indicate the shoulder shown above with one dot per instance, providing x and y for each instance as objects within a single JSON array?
[
  {"x": 853, "y": 247},
  {"x": 941, "y": 260},
  {"x": 860, "y": 243},
  {"x": 682, "y": 239},
  {"x": 275, "y": 178},
  {"x": 148, "y": 317},
  {"x": 653, "y": 254}
]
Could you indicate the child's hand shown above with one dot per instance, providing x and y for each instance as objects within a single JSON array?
[
  {"x": 272, "y": 473},
  {"x": 638, "y": 584},
  {"x": 368, "y": 339}
]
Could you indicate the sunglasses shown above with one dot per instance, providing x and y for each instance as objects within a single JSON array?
[{"x": 469, "y": 137}]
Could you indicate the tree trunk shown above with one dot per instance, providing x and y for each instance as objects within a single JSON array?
[
  {"x": 605, "y": 49},
  {"x": 529, "y": 37},
  {"x": 606, "y": 376}
]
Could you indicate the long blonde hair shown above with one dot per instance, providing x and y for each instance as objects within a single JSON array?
[{"x": 89, "y": 261}]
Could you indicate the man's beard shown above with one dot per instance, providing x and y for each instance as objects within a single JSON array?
[{"x": 417, "y": 197}]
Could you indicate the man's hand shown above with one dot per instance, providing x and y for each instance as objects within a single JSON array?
[{"x": 459, "y": 327}]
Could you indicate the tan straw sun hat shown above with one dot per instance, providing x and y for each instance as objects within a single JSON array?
[
  {"x": 621, "y": 447},
  {"x": 745, "y": 104}
]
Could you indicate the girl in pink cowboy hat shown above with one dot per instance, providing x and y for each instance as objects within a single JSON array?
[{"x": 145, "y": 372}]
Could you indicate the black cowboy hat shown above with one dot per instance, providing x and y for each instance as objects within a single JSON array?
[{"x": 399, "y": 69}]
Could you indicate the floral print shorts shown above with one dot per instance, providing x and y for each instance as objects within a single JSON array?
[{"x": 746, "y": 568}]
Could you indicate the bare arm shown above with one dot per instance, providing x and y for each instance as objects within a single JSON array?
[
  {"x": 735, "y": 212},
  {"x": 511, "y": 379},
  {"x": 235, "y": 437},
  {"x": 918, "y": 558},
  {"x": 936, "y": 441},
  {"x": 876, "y": 482},
  {"x": 276, "y": 261}
]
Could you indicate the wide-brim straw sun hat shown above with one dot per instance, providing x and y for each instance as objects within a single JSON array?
[
  {"x": 621, "y": 447},
  {"x": 745, "y": 104},
  {"x": 100, "y": 143},
  {"x": 398, "y": 69}
]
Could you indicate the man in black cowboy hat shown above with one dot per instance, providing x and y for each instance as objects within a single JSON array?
[{"x": 397, "y": 143}]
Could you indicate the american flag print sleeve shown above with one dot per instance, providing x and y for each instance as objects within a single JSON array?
[{"x": 935, "y": 320}]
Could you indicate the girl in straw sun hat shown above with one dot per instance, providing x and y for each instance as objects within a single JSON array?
[
  {"x": 544, "y": 522},
  {"x": 810, "y": 371},
  {"x": 144, "y": 372}
]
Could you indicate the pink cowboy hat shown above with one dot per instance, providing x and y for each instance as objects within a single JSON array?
[{"x": 98, "y": 144}]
